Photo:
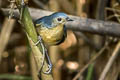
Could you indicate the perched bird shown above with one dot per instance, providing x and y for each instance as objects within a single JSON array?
[
  {"x": 52, "y": 28},
  {"x": 52, "y": 31}
]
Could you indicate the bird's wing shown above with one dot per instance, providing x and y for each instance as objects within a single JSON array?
[
  {"x": 64, "y": 36},
  {"x": 65, "y": 31},
  {"x": 44, "y": 22},
  {"x": 40, "y": 21}
]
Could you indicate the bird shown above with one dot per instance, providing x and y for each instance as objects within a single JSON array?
[
  {"x": 52, "y": 31},
  {"x": 52, "y": 28}
]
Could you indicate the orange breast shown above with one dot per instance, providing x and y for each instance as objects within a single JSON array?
[{"x": 51, "y": 36}]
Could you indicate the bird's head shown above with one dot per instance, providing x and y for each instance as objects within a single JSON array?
[
  {"x": 59, "y": 18},
  {"x": 53, "y": 20}
]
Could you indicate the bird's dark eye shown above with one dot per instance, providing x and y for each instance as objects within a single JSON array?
[{"x": 59, "y": 19}]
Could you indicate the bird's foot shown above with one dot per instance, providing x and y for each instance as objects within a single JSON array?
[
  {"x": 49, "y": 69},
  {"x": 39, "y": 40}
]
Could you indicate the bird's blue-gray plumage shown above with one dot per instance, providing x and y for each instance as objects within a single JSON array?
[{"x": 46, "y": 21}]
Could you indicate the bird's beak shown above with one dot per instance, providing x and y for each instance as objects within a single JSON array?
[{"x": 68, "y": 19}]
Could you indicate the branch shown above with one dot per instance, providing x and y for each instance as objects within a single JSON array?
[
  {"x": 80, "y": 24},
  {"x": 110, "y": 62},
  {"x": 38, "y": 52},
  {"x": 90, "y": 62},
  {"x": 5, "y": 34},
  {"x": 6, "y": 31}
]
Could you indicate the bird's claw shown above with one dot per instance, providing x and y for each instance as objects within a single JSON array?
[
  {"x": 49, "y": 69},
  {"x": 39, "y": 40}
]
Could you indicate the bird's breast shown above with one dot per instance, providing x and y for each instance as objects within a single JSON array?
[{"x": 51, "y": 36}]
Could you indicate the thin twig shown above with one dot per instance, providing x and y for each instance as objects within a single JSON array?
[
  {"x": 112, "y": 9},
  {"x": 5, "y": 34},
  {"x": 11, "y": 9},
  {"x": 90, "y": 62},
  {"x": 6, "y": 31},
  {"x": 115, "y": 13},
  {"x": 110, "y": 62},
  {"x": 111, "y": 16}
]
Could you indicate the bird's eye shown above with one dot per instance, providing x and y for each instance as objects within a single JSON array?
[{"x": 59, "y": 19}]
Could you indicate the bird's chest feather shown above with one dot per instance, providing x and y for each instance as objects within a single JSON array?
[{"x": 51, "y": 35}]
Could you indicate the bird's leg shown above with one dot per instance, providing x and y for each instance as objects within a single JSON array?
[
  {"x": 49, "y": 63},
  {"x": 45, "y": 53}
]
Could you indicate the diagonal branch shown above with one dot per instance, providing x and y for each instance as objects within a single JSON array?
[
  {"x": 26, "y": 21},
  {"x": 110, "y": 62}
]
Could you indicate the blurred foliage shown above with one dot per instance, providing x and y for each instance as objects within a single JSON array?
[{"x": 72, "y": 55}]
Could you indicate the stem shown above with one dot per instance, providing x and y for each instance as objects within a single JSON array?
[{"x": 26, "y": 21}]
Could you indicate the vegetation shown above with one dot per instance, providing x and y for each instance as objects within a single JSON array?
[{"x": 90, "y": 52}]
